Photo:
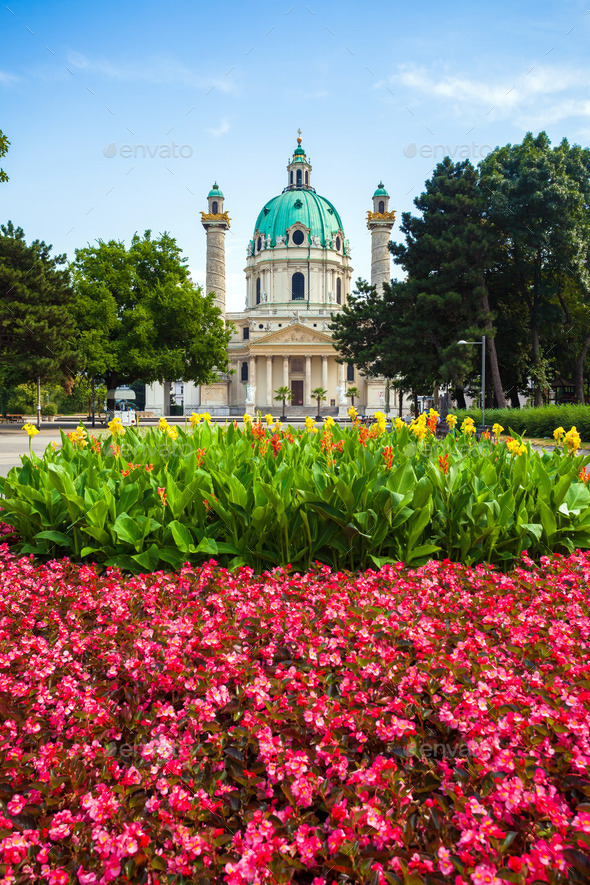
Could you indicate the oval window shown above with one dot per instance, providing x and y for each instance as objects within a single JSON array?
[
  {"x": 338, "y": 244},
  {"x": 259, "y": 244},
  {"x": 298, "y": 237}
]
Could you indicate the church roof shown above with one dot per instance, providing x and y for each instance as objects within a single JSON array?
[
  {"x": 381, "y": 192},
  {"x": 303, "y": 205},
  {"x": 215, "y": 192}
]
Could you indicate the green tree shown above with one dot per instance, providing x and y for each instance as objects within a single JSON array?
[
  {"x": 4, "y": 144},
  {"x": 141, "y": 316},
  {"x": 284, "y": 395},
  {"x": 537, "y": 200},
  {"x": 319, "y": 394},
  {"x": 445, "y": 256},
  {"x": 37, "y": 326}
]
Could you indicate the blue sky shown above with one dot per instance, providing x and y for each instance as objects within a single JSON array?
[{"x": 217, "y": 92}]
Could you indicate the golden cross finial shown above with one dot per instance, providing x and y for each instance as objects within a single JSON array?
[{"x": 299, "y": 136}]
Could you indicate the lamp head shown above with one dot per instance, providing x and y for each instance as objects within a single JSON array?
[{"x": 462, "y": 341}]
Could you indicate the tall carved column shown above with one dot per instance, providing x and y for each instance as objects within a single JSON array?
[
  {"x": 269, "y": 390},
  {"x": 307, "y": 384},
  {"x": 380, "y": 221},
  {"x": 325, "y": 372},
  {"x": 215, "y": 222}
]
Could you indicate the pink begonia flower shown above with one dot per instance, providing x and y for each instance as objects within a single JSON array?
[
  {"x": 16, "y": 804},
  {"x": 485, "y": 875},
  {"x": 85, "y": 878},
  {"x": 444, "y": 861}
]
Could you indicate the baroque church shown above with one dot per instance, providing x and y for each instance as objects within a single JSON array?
[{"x": 298, "y": 275}]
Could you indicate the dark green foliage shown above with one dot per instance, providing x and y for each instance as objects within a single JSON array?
[
  {"x": 535, "y": 423},
  {"x": 141, "y": 316},
  {"x": 37, "y": 328}
]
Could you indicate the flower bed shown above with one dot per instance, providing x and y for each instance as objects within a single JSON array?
[
  {"x": 265, "y": 496},
  {"x": 402, "y": 726}
]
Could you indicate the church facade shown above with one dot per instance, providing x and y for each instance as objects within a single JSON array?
[{"x": 298, "y": 275}]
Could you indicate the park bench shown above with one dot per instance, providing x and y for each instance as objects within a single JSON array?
[
  {"x": 13, "y": 419},
  {"x": 144, "y": 415}
]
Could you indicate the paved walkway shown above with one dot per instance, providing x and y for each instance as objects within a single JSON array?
[{"x": 14, "y": 442}]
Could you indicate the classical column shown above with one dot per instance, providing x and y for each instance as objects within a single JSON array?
[
  {"x": 285, "y": 371},
  {"x": 341, "y": 375},
  {"x": 269, "y": 390},
  {"x": 307, "y": 383},
  {"x": 325, "y": 372},
  {"x": 252, "y": 371}
]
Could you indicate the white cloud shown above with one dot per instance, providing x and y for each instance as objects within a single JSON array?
[
  {"x": 155, "y": 70},
  {"x": 526, "y": 94},
  {"x": 7, "y": 79},
  {"x": 221, "y": 129}
]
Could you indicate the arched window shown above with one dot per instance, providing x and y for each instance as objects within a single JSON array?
[
  {"x": 307, "y": 177},
  {"x": 258, "y": 291},
  {"x": 214, "y": 207},
  {"x": 299, "y": 178},
  {"x": 298, "y": 287},
  {"x": 339, "y": 291},
  {"x": 291, "y": 179},
  {"x": 244, "y": 371},
  {"x": 338, "y": 244},
  {"x": 382, "y": 206},
  {"x": 350, "y": 372},
  {"x": 246, "y": 332},
  {"x": 259, "y": 244}
]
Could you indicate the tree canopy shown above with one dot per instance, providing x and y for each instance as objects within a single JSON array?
[
  {"x": 4, "y": 144},
  {"x": 502, "y": 250},
  {"x": 37, "y": 326},
  {"x": 140, "y": 315}
]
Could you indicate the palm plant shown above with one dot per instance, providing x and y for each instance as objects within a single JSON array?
[
  {"x": 319, "y": 393},
  {"x": 352, "y": 392},
  {"x": 283, "y": 394}
]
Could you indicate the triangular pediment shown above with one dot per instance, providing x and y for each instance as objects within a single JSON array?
[{"x": 295, "y": 333}]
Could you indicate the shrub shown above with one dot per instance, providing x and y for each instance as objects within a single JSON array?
[
  {"x": 264, "y": 496},
  {"x": 401, "y": 727},
  {"x": 535, "y": 422}
]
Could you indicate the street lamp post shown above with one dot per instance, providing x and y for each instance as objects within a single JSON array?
[{"x": 482, "y": 343}]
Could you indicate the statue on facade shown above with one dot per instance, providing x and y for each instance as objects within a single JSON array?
[
  {"x": 263, "y": 297},
  {"x": 268, "y": 241},
  {"x": 315, "y": 241},
  {"x": 250, "y": 394},
  {"x": 250, "y": 249},
  {"x": 280, "y": 240}
]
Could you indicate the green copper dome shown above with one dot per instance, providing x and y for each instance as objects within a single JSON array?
[
  {"x": 381, "y": 192},
  {"x": 298, "y": 204},
  {"x": 215, "y": 192}
]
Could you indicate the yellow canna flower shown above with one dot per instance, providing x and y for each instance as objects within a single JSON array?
[
  {"x": 497, "y": 430},
  {"x": 310, "y": 425},
  {"x": 572, "y": 440},
  {"x": 172, "y": 432},
  {"x": 558, "y": 434},
  {"x": 399, "y": 423},
  {"x": 468, "y": 427},
  {"x": 247, "y": 419},
  {"x": 352, "y": 412},
  {"x": 116, "y": 427},
  {"x": 329, "y": 421},
  {"x": 195, "y": 419},
  {"x": 207, "y": 417},
  {"x": 451, "y": 421},
  {"x": 515, "y": 447},
  {"x": 31, "y": 429},
  {"x": 269, "y": 419},
  {"x": 163, "y": 425}
]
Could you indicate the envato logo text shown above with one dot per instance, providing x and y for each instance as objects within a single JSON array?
[
  {"x": 460, "y": 151},
  {"x": 148, "y": 151}
]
